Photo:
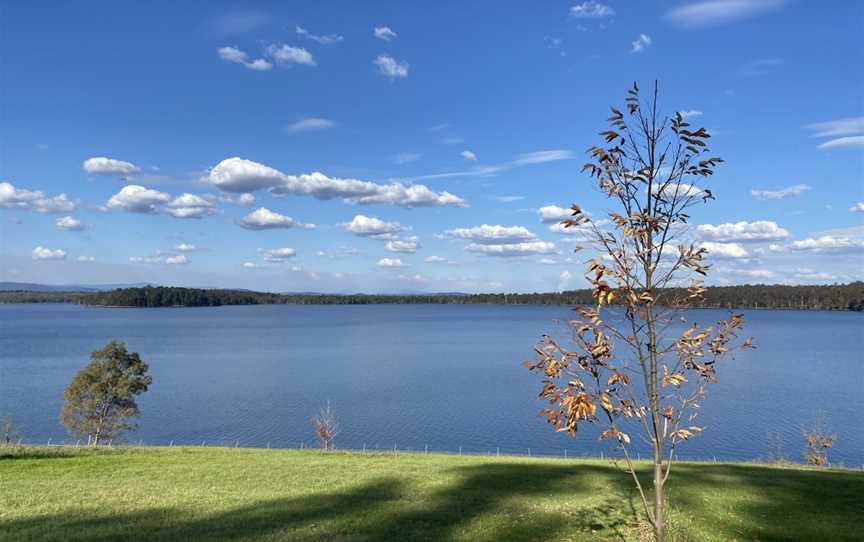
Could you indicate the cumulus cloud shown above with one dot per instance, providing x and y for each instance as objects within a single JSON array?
[
  {"x": 134, "y": 198},
  {"x": 286, "y": 55},
  {"x": 760, "y": 230},
  {"x": 390, "y": 67},
  {"x": 550, "y": 214},
  {"x": 239, "y": 175},
  {"x": 384, "y": 33},
  {"x": 857, "y": 208},
  {"x": 678, "y": 190},
  {"x": 391, "y": 262},
  {"x": 185, "y": 247},
  {"x": 236, "y": 56},
  {"x": 512, "y": 249},
  {"x": 310, "y": 124},
  {"x": 591, "y": 10},
  {"x": 68, "y": 223},
  {"x": 42, "y": 253},
  {"x": 713, "y": 12},
  {"x": 468, "y": 155},
  {"x": 33, "y": 200},
  {"x": 492, "y": 234},
  {"x": 724, "y": 250},
  {"x": 265, "y": 219},
  {"x": 828, "y": 244},
  {"x": 641, "y": 43},
  {"x": 408, "y": 245},
  {"x": 190, "y": 206},
  {"x": 784, "y": 193},
  {"x": 101, "y": 165},
  {"x": 277, "y": 254},
  {"x": 323, "y": 40},
  {"x": 374, "y": 228}
]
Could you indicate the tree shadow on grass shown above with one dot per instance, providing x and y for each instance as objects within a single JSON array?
[{"x": 486, "y": 503}]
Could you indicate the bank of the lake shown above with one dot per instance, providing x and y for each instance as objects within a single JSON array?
[{"x": 195, "y": 494}]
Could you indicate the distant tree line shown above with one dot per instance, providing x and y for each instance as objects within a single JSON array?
[{"x": 759, "y": 296}]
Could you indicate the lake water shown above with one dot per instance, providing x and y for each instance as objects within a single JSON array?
[{"x": 412, "y": 375}]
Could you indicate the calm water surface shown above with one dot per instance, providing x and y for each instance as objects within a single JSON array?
[{"x": 442, "y": 376}]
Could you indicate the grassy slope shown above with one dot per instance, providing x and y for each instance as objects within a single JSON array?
[{"x": 229, "y": 494}]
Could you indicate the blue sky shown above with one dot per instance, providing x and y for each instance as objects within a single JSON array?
[{"x": 394, "y": 147}]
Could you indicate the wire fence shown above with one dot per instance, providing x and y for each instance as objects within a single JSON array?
[{"x": 397, "y": 449}]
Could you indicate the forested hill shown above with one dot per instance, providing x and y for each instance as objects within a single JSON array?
[{"x": 835, "y": 297}]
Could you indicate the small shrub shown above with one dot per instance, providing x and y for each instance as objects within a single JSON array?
[{"x": 326, "y": 427}]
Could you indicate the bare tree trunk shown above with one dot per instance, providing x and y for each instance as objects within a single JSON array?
[{"x": 659, "y": 522}]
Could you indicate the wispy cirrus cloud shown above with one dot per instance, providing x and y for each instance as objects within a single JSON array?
[
  {"x": 783, "y": 193},
  {"x": 843, "y": 133},
  {"x": 390, "y": 67},
  {"x": 538, "y": 157},
  {"x": 591, "y": 10},
  {"x": 234, "y": 55},
  {"x": 309, "y": 124},
  {"x": 640, "y": 43},
  {"x": 328, "y": 39},
  {"x": 716, "y": 12}
]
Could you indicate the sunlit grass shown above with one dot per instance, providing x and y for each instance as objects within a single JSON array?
[{"x": 243, "y": 494}]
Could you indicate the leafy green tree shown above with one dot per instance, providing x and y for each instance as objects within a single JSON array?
[{"x": 101, "y": 398}]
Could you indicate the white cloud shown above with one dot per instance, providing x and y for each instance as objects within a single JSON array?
[
  {"x": 508, "y": 199},
  {"x": 101, "y": 165},
  {"x": 86, "y": 259},
  {"x": 179, "y": 259},
  {"x": 407, "y": 245},
  {"x": 828, "y": 243},
  {"x": 550, "y": 214},
  {"x": 839, "y": 127},
  {"x": 760, "y": 230},
  {"x": 591, "y": 10},
  {"x": 468, "y": 155},
  {"x": 375, "y": 228},
  {"x": 530, "y": 158},
  {"x": 724, "y": 250},
  {"x": 278, "y": 254},
  {"x": 575, "y": 234},
  {"x": 286, "y": 55},
  {"x": 774, "y": 247},
  {"x": 707, "y": 13},
  {"x": 309, "y": 124},
  {"x": 185, "y": 247},
  {"x": 251, "y": 265},
  {"x": 512, "y": 249},
  {"x": 323, "y": 40},
  {"x": 857, "y": 208},
  {"x": 690, "y": 113},
  {"x": 641, "y": 43},
  {"x": 68, "y": 223},
  {"x": 390, "y": 67},
  {"x": 756, "y": 273},
  {"x": 492, "y": 235},
  {"x": 384, "y": 33},
  {"x": 564, "y": 280},
  {"x": 406, "y": 157},
  {"x": 33, "y": 200},
  {"x": 436, "y": 259},
  {"x": 137, "y": 199},
  {"x": 548, "y": 261},
  {"x": 855, "y": 142},
  {"x": 810, "y": 274},
  {"x": 678, "y": 190},
  {"x": 238, "y": 175},
  {"x": 190, "y": 206},
  {"x": 246, "y": 199},
  {"x": 265, "y": 219},
  {"x": 42, "y": 253},
  {"x": 790, "y": 192},
  {"x": 236, "y": 56},
  {"x": 391, "y": 262}
]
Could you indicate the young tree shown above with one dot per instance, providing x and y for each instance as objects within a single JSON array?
[
  {"x": 623, "y": 368},
  {"x": 326, "y": 427},
  {"x": 101, "y": 398}
]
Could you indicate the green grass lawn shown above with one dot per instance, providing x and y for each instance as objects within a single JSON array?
[{"x": 199, "y": 494}]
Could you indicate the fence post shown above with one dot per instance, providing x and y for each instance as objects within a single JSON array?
[
  {"x": 202, "y": 443},
  {"x": 601, "y": 454},
  {"x": 394, "y": 448},
  {"x": 498, "y": 451},
  {"x": 364, "y": 447},
  {"x": 565, "y": 453},
  {"x": 49, "y": 442},
  {"x": 171, "y": 444},
  {"x": 236, "y": 443},
  {"x": 426, "y": 449},
  {"x": 268, "y": 444},
  {"x": 460, "y": 450},
  {"x": 529, "y": 452}
]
